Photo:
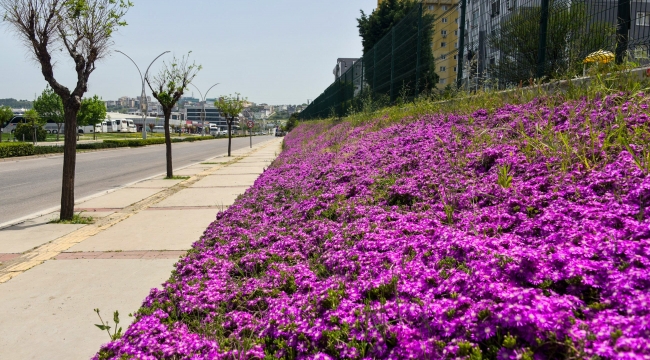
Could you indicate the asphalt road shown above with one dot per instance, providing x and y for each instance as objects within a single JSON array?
[{"x": 28, "y": 186}]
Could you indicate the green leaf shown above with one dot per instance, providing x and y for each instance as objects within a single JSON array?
[{"x": 103, "y": 327}]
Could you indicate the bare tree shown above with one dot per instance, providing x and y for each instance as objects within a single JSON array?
[
  {"x": 81, "y": 29},
  {"x": 168, "y": 87}
]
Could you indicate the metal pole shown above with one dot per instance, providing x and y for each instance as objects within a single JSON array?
[
  {"x": 419, "y": 51},
  {"x": 622, "y": 30},
  {"x": 144, "y": 106},
  {"x": 203, "y": 97},
  {"x": 392, "y": 62},
  {"x": 543, "y": 29},
  {"x": 461, "y": 44}
]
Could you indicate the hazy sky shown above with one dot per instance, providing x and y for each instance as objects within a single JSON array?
[{"x": 273, "y": 51}]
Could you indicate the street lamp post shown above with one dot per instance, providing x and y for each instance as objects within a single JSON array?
[
  {"x": 144, "y": 106},
  {"x": 203, "y": 105}
]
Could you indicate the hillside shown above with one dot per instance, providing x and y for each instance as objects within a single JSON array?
[
  {"x": 512, "y": 233},
  {"x": 16, "y": 104}
]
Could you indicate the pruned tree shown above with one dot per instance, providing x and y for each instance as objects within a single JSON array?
[
  {"x": 5, "y": 115},
  {"x": 50, "y": 107},
  {"x": 168, "y": 87},
  {"x": 231, "y": 106},
  {"x": 82, "y": 29},
  {"x": 92, "y": 112}
]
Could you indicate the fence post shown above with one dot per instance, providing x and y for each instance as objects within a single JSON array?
[
  {"x": 543, "y": 29},
  {"x": 374, "y": 70},
  {"x": 353, "y": 87},
  {"x": 461, "y": 44},
  {"x": 363, "y": 74},
  {"x": 622, "y": 29},
  {"x": 392, "y": 61},
  {"x": 341, "y": 95},
  {"x": 417, "y": 63}
]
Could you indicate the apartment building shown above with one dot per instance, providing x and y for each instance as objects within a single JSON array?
[
  {"x": 445, "y": 38},
  {"x": 343, "y": 65}
]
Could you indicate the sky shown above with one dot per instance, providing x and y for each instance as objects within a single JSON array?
[{"x": 270, "y": 51}]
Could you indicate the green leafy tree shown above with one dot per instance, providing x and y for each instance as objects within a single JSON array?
[
  {"x": 291, "y": 123},
  {"x": 571, "y": 36},
  {"x": 92, "y": 112},
  {"x": 5, "y": 115},
  {"x": 231, "y": 106},
  {"x": 82, "y": 29},
  {"x": 50, "y": 108},
  {"x": 376, "y": 26},
  {"x": 32, "y": 129},
  {"x": 168, "y": 87}
]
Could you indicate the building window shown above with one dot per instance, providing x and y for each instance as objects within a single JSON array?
[
  {"x": 444, "y": 7},
  {"x": 455, "y": 68},
  {"x": 443, "y": 33},
  {"x": 643, "y": 18},
  {"x": 442, "y": 81},
  {"x": 496, "y": 6},
  {"x": 456, "y": 44},
  {"x": 443, "y": 44},
  {"x": 456, "y": 21},
  {"x": 443, "y": 57},
  {"x": 432, "y": 7},
  {"x": 444, "y": 20},
  {"x": 455, "y": 57},
  {"x": 443, "y": 68},
  {"x": 456, "y": 32}
]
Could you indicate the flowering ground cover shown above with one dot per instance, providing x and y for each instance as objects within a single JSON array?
[{"x": 511, "y": 233}]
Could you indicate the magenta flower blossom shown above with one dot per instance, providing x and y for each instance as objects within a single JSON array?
[{"x": 514, "y": 233}]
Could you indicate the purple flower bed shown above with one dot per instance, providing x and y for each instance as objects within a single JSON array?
[{"x": 519, "y": 233}]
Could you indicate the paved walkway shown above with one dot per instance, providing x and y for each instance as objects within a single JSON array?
[{"x": 53, "y": 276}]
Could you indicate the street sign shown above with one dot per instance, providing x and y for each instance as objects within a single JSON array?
[{"x": 250, "y": 124}]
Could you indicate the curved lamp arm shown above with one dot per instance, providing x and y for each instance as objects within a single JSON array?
[
  {"x": 136, "y": 65},
  {"x": 146, "y": 73},
  {"x": 206, "y": 93},
  {"x": 197, "y": 89}
]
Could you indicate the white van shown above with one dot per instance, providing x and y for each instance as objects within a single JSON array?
[
  {"x": 102, "y": 127},
  {"x": 213, "y": 129},
  {"x": 161, "y": 129}
]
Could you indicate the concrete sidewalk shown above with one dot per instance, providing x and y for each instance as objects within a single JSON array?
[{"x": 53, "y": 276}]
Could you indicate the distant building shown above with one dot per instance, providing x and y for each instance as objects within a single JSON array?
[
  {"x": 212, "y": 115},
  {"x": 343, "y": 65}
]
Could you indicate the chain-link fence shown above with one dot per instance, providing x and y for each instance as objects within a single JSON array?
[
  {"x": 510, "y": 42},
  {"x": 490, "y": 43},
  {"x": 399, "y": 66}
]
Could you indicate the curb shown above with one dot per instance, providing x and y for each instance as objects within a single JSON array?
[
  {"x": 81, "y": 151},
  {"x": 106, "y": 192}
]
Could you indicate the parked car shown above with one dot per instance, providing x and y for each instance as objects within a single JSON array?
[{"x": 280, "y": 133}]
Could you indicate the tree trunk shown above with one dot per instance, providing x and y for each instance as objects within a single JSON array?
[
  {"x": 168, "y": 145},
  {"x": 71, "y": 108},
  {"x": 230, "y": 134}
]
